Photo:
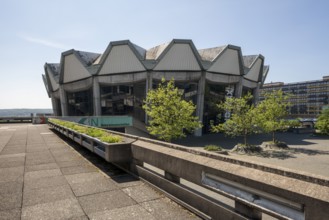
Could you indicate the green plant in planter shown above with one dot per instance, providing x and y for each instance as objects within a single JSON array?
[
  {"x": 93, "y": 132},
  {"x": 212, "y": 148},
  {"x": 110, "y": 139}
]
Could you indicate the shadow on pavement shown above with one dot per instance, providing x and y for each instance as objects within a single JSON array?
[
  {"x": 289, "y": 153},
  {"x": 229, "y": 142},
  {"x": 303, "y": 141}
]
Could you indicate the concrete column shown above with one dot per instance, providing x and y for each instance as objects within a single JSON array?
[
  {"x": 247, "y": 211},
  {"x": 54, "y": 104},
  {"x": 133, "y": 165},
  {"x": 149, "y": 84},
  {"x": 238, "y": 88},
  {"x": 256, "y": 93},
  {"x": 96, "y": 97},
  {"x": 63, "y": 97},
  {"x": 200, "y": 101}
]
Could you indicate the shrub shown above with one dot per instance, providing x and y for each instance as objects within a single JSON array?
[
  {"x": 93, "y": 132},
  {"x": 110, "y": 138},
  {"x": 212, "y": 148}
]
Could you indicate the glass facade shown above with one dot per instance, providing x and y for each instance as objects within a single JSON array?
[
  {"x": 214, "y": 94},
  {"x": 189, "y": 89},
  {"x": 80, "y": 103},
  {"x": 123, "y": 100}
]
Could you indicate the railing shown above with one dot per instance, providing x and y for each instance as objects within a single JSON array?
[
  {"x": 216, "y": 186},
  {"x": 15, "y": 119}
]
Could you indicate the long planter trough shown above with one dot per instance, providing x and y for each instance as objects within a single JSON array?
[{"x": 112, "y": 152}]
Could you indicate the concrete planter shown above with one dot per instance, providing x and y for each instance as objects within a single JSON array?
[
  {"x": 114, "y": 152},
  {"x": 111, "y": 152}
]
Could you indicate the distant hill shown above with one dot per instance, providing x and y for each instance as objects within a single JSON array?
[{"x": 24, "y": 112}]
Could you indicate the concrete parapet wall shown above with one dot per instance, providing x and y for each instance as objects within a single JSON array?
[{"x": 304, "y": 200}]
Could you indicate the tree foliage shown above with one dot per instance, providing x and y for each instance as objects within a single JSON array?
[
  {"x": 272, "y": 112},
  {"x": 243, "y": 118},
  {"x": 322, "y": 122},
  {"x": 170, "y": 115}
]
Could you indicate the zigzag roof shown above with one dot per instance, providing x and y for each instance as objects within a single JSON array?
[
  {"x": 155, "y": 52},
  {"x": 152, "y": 57},
  {"x": 55, "y": 70},
  {"x": 249, "y": 60},
  {"x": 209, "y": 54},
  {"x": 87, "y": 58}
]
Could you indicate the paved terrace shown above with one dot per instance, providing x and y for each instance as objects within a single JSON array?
[{"x": 42, "y": 177}]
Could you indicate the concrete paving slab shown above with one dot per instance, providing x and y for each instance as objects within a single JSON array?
[
  {"x": 126, "y": 180},
  {"x": 13, "y": 161},
  {"x": 78, "y": 169},
  {"x": 62, "y": 164},
  {"x": 11, "y": 187},
  {"x": 105, "y": 201},
  {"x": 13, "y": 150},
  {"x": 39, "y": 158},
  {"x": 10, "y": 200},
  {"x": 66, "y": 157},
  {"x": 46, "y": 166},
  {"x": 56, "y": 145},
  {"x": 45, "y": 182},
  {"x": 84, "y": 177},
  {"x": 36, "y": 149},
  {"x": 46, "y": 195},
  {"x": 62, "y": 209},
  {"x": 16, "y": 141},
  {"x": 84, "y": 217},
  {"x": 13, "y": 155},
  {"x": 13, "y": 214},
  {"x": 30, "y": 176},
  {"x": 135, "y": 212},
  {"x": 142, "y": 193},
  {"x": 11, "y": 174},
  {"x": 164, "y": 208},
  {"x": 89, "y": 183}
]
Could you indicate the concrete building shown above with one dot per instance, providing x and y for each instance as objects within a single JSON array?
[
  {"x": 307, "y": 98},
  {"x": 116, "y": 82}
]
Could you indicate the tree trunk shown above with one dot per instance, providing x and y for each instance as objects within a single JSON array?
[
  {"x": 245, "y": 138},
  {"x": 273, "y": 136}
]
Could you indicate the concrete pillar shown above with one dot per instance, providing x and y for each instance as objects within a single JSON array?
[
  {"x": 96, "y": 97},
  {"x": 238, "y": 88},
  {"x": 149, "y": 85},
  {"x": 133, "y": 165},
  {"x": 200, "y": 101},
  {"x": 63, "y": 97},
  {"x": 247, "y": 211},
  {"x": 54, "y": 104},
  {"x": 256, "y": 93}
]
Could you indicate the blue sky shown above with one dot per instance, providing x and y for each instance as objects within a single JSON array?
[{"x": 293, "y": 35}]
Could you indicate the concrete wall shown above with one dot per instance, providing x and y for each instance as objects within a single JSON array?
[{"x": 272, "y": 191}]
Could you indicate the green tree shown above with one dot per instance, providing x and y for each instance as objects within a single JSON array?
[
  {"x": 322, "y": 122},
  {"x": 170, "y": 115},
  {"x": 243, "y": 118},
  {"x": 272, "y": 112}
]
